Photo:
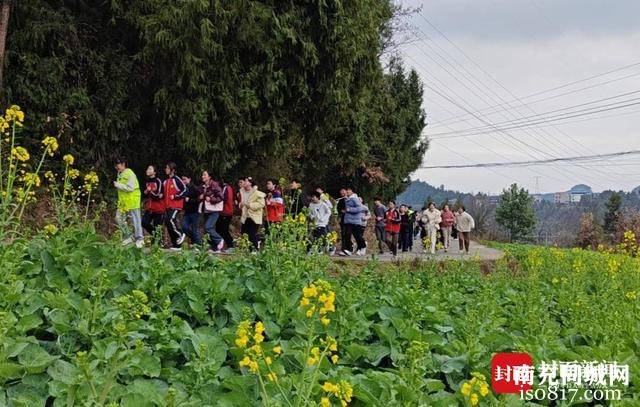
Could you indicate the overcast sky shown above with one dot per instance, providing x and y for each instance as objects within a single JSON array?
[{"x": 528, "y": 46}]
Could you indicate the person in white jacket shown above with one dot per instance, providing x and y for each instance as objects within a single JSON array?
[
  {"x": 464, "y": 223},
  {"x": 319, "y": 214},
  {"x": 431, "y": 219}
]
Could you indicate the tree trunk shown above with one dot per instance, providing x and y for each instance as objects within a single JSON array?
[{"x": 5, "y": 11}]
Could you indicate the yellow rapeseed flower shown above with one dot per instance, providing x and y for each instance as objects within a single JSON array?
[
  {"x": 241, "y": 342},
  {"x": 473, "y": 399},
  {"x": 334, "y": 359},
  {"x": 74, "y": 173},
  {"x": 277, "y": 350},
  {"x": 68, "y": 159},
  {"x": 324, "y": 402},
  {"x": 31, "y": 179},
  {"x": 325, "y": 321},
  {"x": 329, "y": 387},
  {"x": 50, "y": 229},
  {"x": 20, "y": 154},
  {"x": 50, "y": 145},
  {"x": 272, "y": 377}
]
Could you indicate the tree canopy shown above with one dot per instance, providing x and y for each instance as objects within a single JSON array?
[
  {"x": 515, "y": 211},
  {"x": 268, "y": 88}
]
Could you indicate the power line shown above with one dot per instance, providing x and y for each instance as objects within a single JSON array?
[
  {"x": 548, "y": 115},
  {"x": 534, "y": 123},
  {"x": 535, "y": 162},
  {"x": 452, "y": 119},
  {"x": 575, "y": 142},
  {"x": 541, "y": 142}
]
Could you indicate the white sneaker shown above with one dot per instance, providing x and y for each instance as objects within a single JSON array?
[
  {"x": 345, "y": 253},
  {"x": 127, "y": 241},
  {"x": 220, "y": 245},
  {"x": 139, "y": 244},
  {"x": 181, "y": 238},
  {"x": 361, "y": 252},
  {"x": 175, "y": 249}
]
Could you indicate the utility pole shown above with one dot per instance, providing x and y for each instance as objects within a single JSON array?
[{"x": 537, "y": 189}]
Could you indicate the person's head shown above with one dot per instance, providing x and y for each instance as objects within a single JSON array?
[
  {"x": 350, "y": 190},
  {"x": 120, "y": 163},
  {"x": 391, "y": 204},
  {"x": 248, "y": 184},
  {"x": 377, "y": 201},
  {"x": 445, "y": 207},
  {"x": 315, "y": 197},
  {"x": 343, "y": 192},
  {"x": 461, "y": 209},
  {"x": 403, "y": 208},
  {"x": 432, "y": 206},
  {"x": 206, "y": 177},
  {"x": 320, "y": 190},
  {"x": 241, "y": 182},
  {"x": 151, "y": 171},
  {"x": 170, "y": 169},
  {"x": 271, "y": 184},
  {"x": 186, "y": 179},
  {"x": 295, "y": 183}
]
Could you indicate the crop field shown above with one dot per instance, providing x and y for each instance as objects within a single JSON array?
[{"x": 87, "y": 322}]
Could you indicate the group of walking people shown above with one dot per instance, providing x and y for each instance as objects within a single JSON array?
[
  {"x": 215, "y": 202},
  {"x": 395, "y": 226}
]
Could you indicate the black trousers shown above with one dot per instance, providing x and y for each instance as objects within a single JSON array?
[
  {"x": 357, "y": 232},
  {"x": 250, "y": 228},
  {"x": 222, "y": 227},
  {"x": 406, "y": 236},
  {"x": 171, "y": 221},
  {"x": 150, "y": 221}
]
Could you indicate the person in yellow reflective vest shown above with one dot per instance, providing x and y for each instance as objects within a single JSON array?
[{"x": 128, "y": 203}]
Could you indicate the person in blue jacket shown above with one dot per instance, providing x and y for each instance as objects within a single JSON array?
[{"x": 354, "y": 211}]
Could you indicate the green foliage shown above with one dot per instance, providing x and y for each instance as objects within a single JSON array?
[
  {"x": 612, "y": 214},
  {"x": 515, "y": 211},
  {"x": 261, "y": 87},
  {"x": 86, "y": 322}
]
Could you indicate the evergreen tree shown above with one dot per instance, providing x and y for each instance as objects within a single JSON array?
[
  {"x": 515, "y": 211},
  {"x": 293, "y": 89},
  {"x": 612, "y": 215}
]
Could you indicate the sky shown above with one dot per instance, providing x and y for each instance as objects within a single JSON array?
[{"x": 475, "y": 54}]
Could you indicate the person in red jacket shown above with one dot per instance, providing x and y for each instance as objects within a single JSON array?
[
  {"x": 392, "y": 226},
  {"x": 222, "y": 226},
  {"x": 275, "y": 204},
  {"x": 154, "y": 203},
  {"x": 174, "y": 191},
  {"x": 446, "y": 225}
]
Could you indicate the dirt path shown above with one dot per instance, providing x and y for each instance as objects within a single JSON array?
[{"x": 476, "y": 250}]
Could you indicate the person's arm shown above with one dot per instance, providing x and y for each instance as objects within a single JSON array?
[
  {"x": 182, "y": 189},
  {"x": 129, "y": 186},
  {"x": 357, "y": 208},
  {"x": 157, "y": 193},
  {"x": 255, "y": 204},
  {"x": 472, "y": 223}
]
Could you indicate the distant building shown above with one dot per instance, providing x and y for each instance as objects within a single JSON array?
[
  {"x": 578, "y": 191},
  {"x": 562, "y": 197}
]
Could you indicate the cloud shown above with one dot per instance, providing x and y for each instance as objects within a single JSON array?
[{"x": 529, "y": 19}]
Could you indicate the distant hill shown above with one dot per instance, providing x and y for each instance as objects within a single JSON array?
[{"x": 419, "y": 191}]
